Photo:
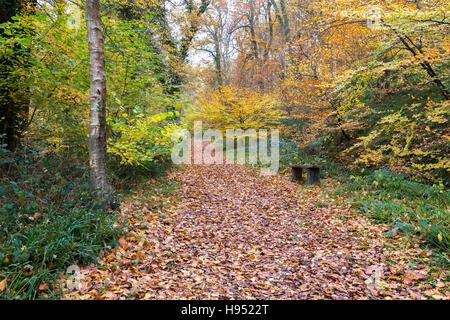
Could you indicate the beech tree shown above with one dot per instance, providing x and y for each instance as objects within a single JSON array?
[{"x": 97, "y": 135}]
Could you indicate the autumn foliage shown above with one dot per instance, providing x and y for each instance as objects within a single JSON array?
[
  {"x": 360, "y": 88},
  {"x": 229, "y": 107}
]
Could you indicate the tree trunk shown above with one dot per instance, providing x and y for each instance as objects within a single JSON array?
[
  {"x": 270, "y": 30},
  {"x": 251, "y": 25},
  {"x": 218, "y": 61},
  {"x": 180, "y": 52},
  {"x": 283, "y": 19},
  {"x": 97, "y": 136},
  {"x": 286, "y": 27}
]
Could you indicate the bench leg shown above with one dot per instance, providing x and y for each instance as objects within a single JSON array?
[
  {"x": 313, "y": 176},
  {"x": 297, "y": 174}
]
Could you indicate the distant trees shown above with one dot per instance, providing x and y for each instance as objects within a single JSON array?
[
  {"x": 217, "y": 38},
  {"x": 169, "y": 16},
  {"x": 365, "y": 77},
  {"x": 230, "y": 107}
]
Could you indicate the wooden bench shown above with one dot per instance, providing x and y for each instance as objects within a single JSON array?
[{"x": 313, "y": 173}]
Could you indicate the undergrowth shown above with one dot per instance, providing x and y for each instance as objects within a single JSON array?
[
  {"x": 49, "y": 220},
  {"x": 411, "y": 207}
]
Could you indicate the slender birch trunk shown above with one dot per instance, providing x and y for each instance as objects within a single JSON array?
[{"x": 97, "y": 136}]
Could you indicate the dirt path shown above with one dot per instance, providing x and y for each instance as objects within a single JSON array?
[{"x": 239, "y": 235}]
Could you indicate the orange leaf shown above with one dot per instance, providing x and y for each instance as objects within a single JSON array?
[
  {"x": 3, "y": 285},
  {"x": 43, "y": 286},
  {"x": 123, "y": 243}
]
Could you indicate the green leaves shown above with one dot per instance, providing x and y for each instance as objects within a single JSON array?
[
  {"x": 412, "y": 207},
  {"x": 49, "y": 219},
  {"x": 140, "y": 138}
]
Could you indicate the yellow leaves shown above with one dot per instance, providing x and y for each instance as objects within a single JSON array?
[
  {"x": 418, "y": 152},
  {"x": 2, "y": 285},
  {"x": 141, "y": 137},
  {"x": 233, "y": 107},
  {"x": 440, "y": 238}
]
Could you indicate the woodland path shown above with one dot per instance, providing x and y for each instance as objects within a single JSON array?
[{"x": 238, "y": 235}]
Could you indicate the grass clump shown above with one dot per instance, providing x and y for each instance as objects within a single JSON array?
[{"x": 49, "y": 220}]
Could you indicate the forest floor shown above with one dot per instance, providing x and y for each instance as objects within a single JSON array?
[{"x": 234, "y": 234}]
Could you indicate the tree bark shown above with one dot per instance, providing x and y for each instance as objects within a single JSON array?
[
  {"x": 218, "y": 61},
  {"x": 270, "y": 30},
  {"x": 251, "y": 26},
  {"x": 283, "y": 19},
  {"x": 97, "y": 136},
  {"x": 286, "y": 27}
]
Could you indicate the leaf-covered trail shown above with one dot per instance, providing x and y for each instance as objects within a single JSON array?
[{"x": 236, "y": 234}]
